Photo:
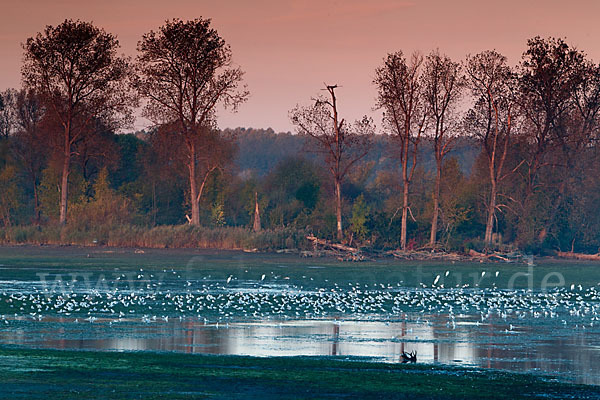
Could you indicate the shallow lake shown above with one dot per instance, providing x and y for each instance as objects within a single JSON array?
[{"x": 541, "y": 318}]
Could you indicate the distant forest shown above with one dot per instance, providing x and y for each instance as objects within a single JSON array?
[{"x": 470, "y": 155}]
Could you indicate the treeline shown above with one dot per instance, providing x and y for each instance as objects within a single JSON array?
[{"x": 471, "y": 154}]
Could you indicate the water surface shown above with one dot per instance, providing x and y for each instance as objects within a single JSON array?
[{"x": 541, "y": 319}]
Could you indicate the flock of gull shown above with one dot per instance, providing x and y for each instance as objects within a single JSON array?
[{"x": 230, "y": 299}]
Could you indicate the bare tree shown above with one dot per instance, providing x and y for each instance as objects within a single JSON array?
[
  {"x": 443, "y": 86},
  {"x": 75, "y": 67},
  {"x": 401, "y": 96},
  {"x": 490, "y": 120},
  {"x": 184, "y": 71},
  {"x": 342, "y": 145}
]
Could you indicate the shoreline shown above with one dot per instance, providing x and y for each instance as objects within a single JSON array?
[
  {"x": 291, "y": 253},
  {"x": 240, "y": 239}
]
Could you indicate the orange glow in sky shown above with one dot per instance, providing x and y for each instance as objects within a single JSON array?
[{"x": 290, "y": 48}]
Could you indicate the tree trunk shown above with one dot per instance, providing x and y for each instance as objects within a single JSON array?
[
  {"x": 436, "y": 200},
  {"x": 489, "y": 226},
  {"x": 405, "y": 183},
  {"x": 193, "y": 188},
  {"x": 256, "y": 226},
  {"x": 338, "y": 209},
  {"x": 404, "y": 215},
  {"x": 64, "y": 186}
]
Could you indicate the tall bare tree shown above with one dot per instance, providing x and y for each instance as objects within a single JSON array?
[
  {"x": 74, "y": 66},
  {"x": 443, "y": 87},
  {"x": 184, "y": 71},
  {"x": 341, "y": 144},
  {"x": 490, "y": 119},
  {"x": 401, "y": 95}
]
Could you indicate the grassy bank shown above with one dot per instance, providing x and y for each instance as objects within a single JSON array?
[
  {"x": 167, "y": 236},
  {"x": 56, "y": 374}
]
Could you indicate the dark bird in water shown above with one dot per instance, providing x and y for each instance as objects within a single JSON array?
[{"x": 409, "y": 357}]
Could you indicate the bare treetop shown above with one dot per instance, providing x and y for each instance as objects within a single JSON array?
[
  {"x": 443, "y": 83},
  {"x": 400, "y": 95},
  {"x": 491, "y": 82},
  {"x": 341, "y": 145}
]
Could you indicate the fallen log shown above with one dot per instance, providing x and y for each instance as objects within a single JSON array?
[
  {"x": 325, "y": 243},
  {"x": 579, "y": 256},
  {"x": 425, "y": 255},
  {"x": 498, "y": 256},
  {"x": 342, "y": 252},
  {"x": 476, "y": 254}
]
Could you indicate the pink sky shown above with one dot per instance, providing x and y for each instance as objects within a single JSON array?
[{"x": 288, "y": 49}]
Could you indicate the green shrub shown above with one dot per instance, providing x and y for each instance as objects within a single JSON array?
[{"x": 164, "y": 236}]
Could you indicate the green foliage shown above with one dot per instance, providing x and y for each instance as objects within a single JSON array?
[
  {"x": 358, "y": 221},
  {"x": 105, "y": 208},
  {"x": 11, "y": 194},
  {"x": 164, "y": 236},
  {"x": 212, "y": 203},
  {"x": 157, "y": 194},
  {"x": 129, "y": 167},
  {"x": 308, "y": 194},
  {"x": 239, "y": 201},
  {"x": 572, "y": 222},
  {"x": 218, "y": 214},
  {"x": 293, "y": 189},
  {"x": 456, "y": 207},
  {"x": 49, "y": 191}
]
